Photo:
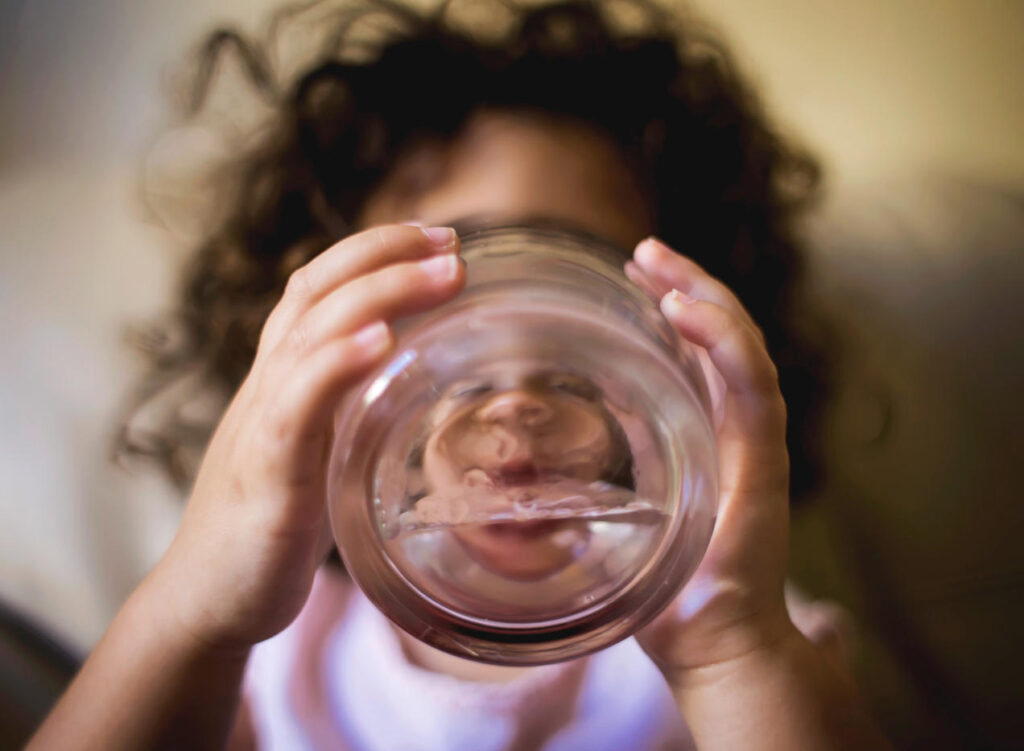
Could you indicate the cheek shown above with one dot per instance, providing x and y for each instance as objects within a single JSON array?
[
  {"x": 462, "y": 443},
  {"x": 442, "y": 453},
  {"x": 579, "y": 438},
  {"x": 480, "y": 446},
  {"x": 524, "y": 553}
]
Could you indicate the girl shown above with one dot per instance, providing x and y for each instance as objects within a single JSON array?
[{"x": 622, "y": 125}]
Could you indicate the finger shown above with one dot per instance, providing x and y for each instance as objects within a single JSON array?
[
  {"x": 653, "y": 288},
  {"x": 666, "y": 270},
  {"x": 302, "y": 407},
  {"x": 392, "y": 292},
  {"x": 754, "y": 406},
  {"x": 348, "y": 259}
]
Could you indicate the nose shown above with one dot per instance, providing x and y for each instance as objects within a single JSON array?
[{"x": 516, "y": 407}]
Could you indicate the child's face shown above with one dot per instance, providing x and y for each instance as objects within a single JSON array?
[
  {"x": 508, "y": 166},
  {"x": 510, "y": 428},
  {"x": 516, "y": 428}
]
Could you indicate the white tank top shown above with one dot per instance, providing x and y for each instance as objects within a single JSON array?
[{"x": 337, "y": 678}]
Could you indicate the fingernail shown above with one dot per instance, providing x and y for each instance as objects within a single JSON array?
[
  {"x": 443, "y": 268},
  {"x": 649, "y": 252},
  {"x": 373, "y": 338},
  {"x": 654, "y": 242},
  {"x": 678, "y": 298},
  {"x": 442, "y": 237}
]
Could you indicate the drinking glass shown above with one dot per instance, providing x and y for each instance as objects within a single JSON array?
[{"x": 531, "y": 475}]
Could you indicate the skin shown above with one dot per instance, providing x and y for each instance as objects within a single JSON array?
[{"x": 167, "y": 673}]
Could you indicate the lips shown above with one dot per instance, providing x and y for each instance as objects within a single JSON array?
[
  {"x": 523, "y": 530},
  {"x": 514, "y": 473}
]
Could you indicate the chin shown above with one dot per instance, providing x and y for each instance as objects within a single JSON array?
[{"x": 524, "y": 551}]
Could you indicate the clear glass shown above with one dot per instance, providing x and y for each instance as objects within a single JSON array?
[{"x": 532, "y": 475}]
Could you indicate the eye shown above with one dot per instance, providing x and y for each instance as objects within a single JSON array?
[
  {"x": 466, "y": 390},
  {"x": 573, "y": 385}
]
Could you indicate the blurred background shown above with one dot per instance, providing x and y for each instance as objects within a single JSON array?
[{"x": 917, "y": 112}]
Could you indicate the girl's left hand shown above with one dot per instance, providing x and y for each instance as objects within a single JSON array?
[{"x": 733, "y": 604}]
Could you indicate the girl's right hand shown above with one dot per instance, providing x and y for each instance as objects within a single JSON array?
[{"x": 255, "y": 529}]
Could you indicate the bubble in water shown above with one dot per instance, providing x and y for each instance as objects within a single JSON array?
[{"x": 560, "y": 499}]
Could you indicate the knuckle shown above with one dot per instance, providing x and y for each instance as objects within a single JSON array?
[
  {"x": 759, "y": 333},
  {"x": 759, "y": 364},
  {"x": 769, "y": 375},
  {"x": 774, "y": 416},
  {"x": 298, "y": 287},
  {"x": 765, "y": 378}
]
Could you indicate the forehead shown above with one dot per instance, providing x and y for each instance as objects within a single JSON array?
[{"x": 514, "y": 165}]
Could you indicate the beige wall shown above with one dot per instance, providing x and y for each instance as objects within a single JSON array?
[
  {"x": 892, "y": 85},
  {"x": 876, "y": 85}
]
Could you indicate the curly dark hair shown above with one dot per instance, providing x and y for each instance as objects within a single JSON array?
[{"x": 723, "y": 185}]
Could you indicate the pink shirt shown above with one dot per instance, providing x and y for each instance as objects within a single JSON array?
[{"x": 337, "y": 678}]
